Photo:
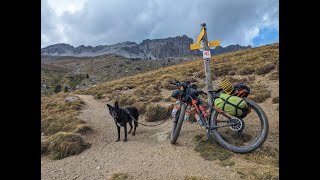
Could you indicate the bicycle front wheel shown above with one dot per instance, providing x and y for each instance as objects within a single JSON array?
[
  {"x": 243, "y": 135},
  {"x": 177, "y": 124}
]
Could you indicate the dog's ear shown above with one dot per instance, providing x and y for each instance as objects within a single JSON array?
[
  {"x": 109, "y": 106},
  {"x": 116, "y": 105}
]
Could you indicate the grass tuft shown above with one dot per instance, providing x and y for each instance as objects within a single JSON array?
[
  {"x": 64, "y": 144},
  {"x": 156, "y": 113},
  {"x": 210, "y": 150},
  {"x": 118, "y": 176}
]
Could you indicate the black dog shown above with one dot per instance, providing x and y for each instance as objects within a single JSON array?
[{"x": 121, "y": 118}]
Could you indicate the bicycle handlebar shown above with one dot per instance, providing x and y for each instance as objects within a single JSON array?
[
  {"x": 202, "y": 92},
  {"x": 178, "y": 83},
  {"x": 173, "y": 83},
  {"x": 185, "y": 84}
]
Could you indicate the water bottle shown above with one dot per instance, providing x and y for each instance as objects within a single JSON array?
[
  {"x": 175, "y": 108},
  {"x": 198, "y": 119},
  {"x": 203, "y": 110},
  {"x": 187, "y": 113}
]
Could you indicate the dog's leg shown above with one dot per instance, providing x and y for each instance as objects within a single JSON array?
[
  {"x": 135, "y": 126},
  {"x": 130, "y": 123},
  {"x": 125, "y": 132},
  {"x": 118, "y": 128}
]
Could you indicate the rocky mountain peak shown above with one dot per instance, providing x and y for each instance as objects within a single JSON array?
[{"x": 148, "y": 49}]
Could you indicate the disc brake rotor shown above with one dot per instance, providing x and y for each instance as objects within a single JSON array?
[{"x": 237, "y": 124}]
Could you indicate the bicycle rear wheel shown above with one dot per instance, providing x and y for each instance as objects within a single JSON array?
[
  {"x": 177, "y": 124},
  {"x": 246, "y": 134}
]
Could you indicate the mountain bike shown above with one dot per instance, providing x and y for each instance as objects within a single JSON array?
[{"x": 240, "y": 135}]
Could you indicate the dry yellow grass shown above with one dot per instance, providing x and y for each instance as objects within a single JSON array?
[
  {"x": 260, "y": 173},
  {"x": 274, "y": 76},
  {"x": 265, "y": 156},
  {"x": 260, "y": 93},
  {"x": 60, "y": 124},
  {"x": 118, "y": 176},
  {"x": 82, "y": 129},
  {"x": 62, "y": 144},
  {"x": 195, "y": 178},
  {"x": 56, "y": 115},
  {"x": 157, "y": 112},
  {"x": 211, "y": 150},
  {"x": 265, "y": 68},
  {"x": 141, "y": 107}
]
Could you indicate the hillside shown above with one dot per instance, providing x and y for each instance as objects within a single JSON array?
[
  {"x": 244, "y": 65},
  {"x": 72, "y": 71},
  {"x": 149, "y": 154}
]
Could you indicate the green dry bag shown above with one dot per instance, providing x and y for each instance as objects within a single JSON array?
[{"x": 232, "y": 105}]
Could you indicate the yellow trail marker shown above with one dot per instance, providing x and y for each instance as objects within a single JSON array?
[
  {"x": 200, "y": 35},
  {"x": 210, "y": 44},
  {"x": 214, "y": 43},
  {"x": 195, "y": 46}
]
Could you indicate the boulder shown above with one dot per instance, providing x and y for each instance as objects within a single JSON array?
[{"x": 70, "y": 98}]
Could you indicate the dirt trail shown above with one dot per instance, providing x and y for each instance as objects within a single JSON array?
[{"x": 148, "y": 155}]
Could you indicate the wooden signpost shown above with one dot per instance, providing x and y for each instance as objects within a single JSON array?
[{"x": 202, "y": 43}]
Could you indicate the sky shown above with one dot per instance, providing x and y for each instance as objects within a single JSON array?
[{"x": 105, "y": 22}]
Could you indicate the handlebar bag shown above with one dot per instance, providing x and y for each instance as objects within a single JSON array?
[{"x": 177, "y": 93}]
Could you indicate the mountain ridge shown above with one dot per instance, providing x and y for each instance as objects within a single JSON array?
[{"x": 148, "y": 49}]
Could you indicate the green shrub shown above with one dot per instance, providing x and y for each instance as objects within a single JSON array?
[
  {"x": 246, "y": 71},
  {"x": 57, "y": 88},
  {"x": 265, "y": 69},
  {"x": 66, "y": 89}
]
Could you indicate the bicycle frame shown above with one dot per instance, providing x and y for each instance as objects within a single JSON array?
[{"x": 208, "y": 125}]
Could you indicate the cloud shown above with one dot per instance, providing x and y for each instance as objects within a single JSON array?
[
  {"x": 61, "y": 6},
  {"x": 52, "y": 30},
  {"x": 97, "y": 22}
]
